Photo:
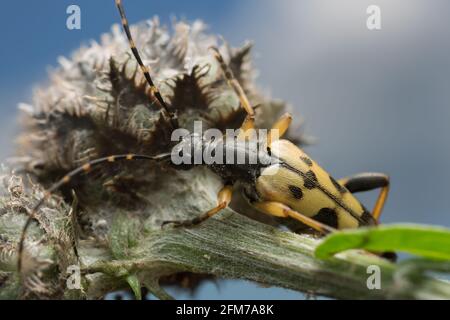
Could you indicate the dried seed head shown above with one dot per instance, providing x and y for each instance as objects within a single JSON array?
[
  {"x": 17, "y": 197},
  {"x": 98, "y": 103}
]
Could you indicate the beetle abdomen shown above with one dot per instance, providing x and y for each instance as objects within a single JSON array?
[{"x": 303, "y": 185}]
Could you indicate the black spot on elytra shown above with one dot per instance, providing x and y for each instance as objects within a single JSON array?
[
  {"x": 307, "y": 161},
  {"x": 327, "y": 216},
  {"x": 366, "y": 219},
  {"x": 338, "y": 187},
  {"x": 296, "y": 192},
  {"x": 310, "y": 180}
]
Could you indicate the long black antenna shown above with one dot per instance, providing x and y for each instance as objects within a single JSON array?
[
  {"x": 145, "y": 69},
  {"x": 69, "y": 177}
]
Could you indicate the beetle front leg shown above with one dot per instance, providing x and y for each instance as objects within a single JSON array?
[
  {"x": 366, "y": 182},
  {"x": 249, "y": 122},
  {"x": 223, "y": 200},
  {"x": 279, "y": 129},
  {"x": 280, "y": 210}
]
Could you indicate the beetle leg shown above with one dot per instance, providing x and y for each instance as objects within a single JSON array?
[
  {"x": 369, "y": 181},
  {"x": 278, "y": 209},
  {"x": 223, "y": 200},
  {"x": 279, "y": 128},
  {"x": 247, "y": 128},
  {"x": 249, "y": 122}
]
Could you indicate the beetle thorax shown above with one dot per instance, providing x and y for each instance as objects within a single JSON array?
[{"x": 231, "y": 158}]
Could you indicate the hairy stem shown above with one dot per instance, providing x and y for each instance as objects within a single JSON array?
[{"x": 233, "y": 246}]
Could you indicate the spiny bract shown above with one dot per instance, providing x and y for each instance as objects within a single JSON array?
[{"x": 97, "y": 102}]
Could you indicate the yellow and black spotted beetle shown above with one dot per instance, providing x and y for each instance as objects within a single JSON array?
[{"x": 284, "y": 183}]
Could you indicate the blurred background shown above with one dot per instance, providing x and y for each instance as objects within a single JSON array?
[{"x": 374, "y": 100}]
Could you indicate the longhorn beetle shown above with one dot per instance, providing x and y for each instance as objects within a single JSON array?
[{"x": 287, "y": 184}]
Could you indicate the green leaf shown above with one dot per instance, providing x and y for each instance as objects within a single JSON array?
[
  {"x": 135, "y": 285},
  {"x": 425, "y": 241}
]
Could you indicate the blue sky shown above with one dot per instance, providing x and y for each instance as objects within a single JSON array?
[{"x": 375, "y": 100}]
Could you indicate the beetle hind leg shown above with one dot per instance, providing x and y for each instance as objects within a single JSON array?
[
  {"x": 280, "y": 210},
  {"x": 366, "y": 182},
  {"x": 223, "y": 200}
]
